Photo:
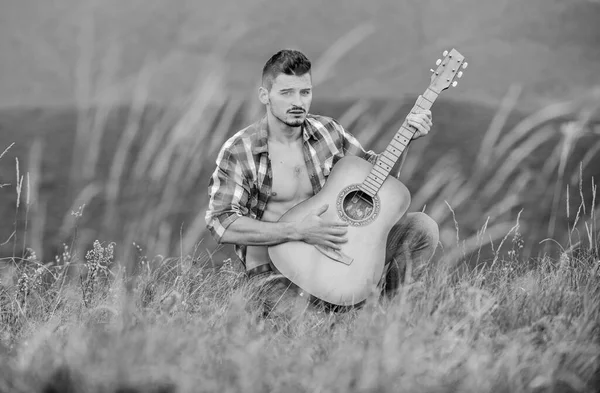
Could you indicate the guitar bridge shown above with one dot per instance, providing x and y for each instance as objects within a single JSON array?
[{"x": 337, "y": 256}]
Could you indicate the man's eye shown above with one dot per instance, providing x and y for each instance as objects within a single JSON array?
[{"x": 306, "y": 92}]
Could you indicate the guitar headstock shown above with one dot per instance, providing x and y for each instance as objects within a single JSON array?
[{"x": 448, "y": 71}]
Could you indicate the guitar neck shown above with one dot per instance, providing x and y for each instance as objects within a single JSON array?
[{"x": 396, "y": 147}]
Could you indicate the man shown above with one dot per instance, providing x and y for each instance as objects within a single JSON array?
[{"x": 284, "y": 159}]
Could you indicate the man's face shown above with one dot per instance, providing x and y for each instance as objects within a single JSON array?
[{"x": 289, "y": 98}]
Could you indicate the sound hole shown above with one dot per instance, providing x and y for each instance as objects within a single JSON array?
[{"x": 358, "y": 206}]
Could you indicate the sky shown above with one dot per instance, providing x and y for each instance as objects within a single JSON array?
[{"x": 67, "y": 52}]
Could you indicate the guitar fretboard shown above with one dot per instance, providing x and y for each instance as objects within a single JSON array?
[{"x": 396, "y": 147}]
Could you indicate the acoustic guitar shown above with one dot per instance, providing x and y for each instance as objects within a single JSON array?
[{"x": 371, "y": 202}]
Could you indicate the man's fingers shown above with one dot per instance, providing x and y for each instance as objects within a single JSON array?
[
  {"x": 335, "y": 239},
  {"x": 419, "y": 126},
  {"x": 337, "y": 231},
  {"x": 333, "y": 245},
  {"x": 339, "y": 239},
  {"x": 336, "y": 223},
  {"x": 421, "y": 110},
  {"x": 420, "y": 119},
  {"x": 416, "y": 122},
  {"x": 329, "y": 243},
  {"x": 422, "y": 113}
]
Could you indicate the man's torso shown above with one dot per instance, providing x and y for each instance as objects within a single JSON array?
[{"x": 291, "y": 185}]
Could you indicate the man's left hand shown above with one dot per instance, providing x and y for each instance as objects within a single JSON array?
[{"x": 420, "y": 119}]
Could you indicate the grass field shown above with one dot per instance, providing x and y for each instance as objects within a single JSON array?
[
  {"x": 109, "y": 282},
  {"x": 116, "y": 317},
  {"x": 180, "y": 327}
]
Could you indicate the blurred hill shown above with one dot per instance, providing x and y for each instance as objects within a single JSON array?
[
  {"x": 62, "y": 51},
  {"x": 436, "y": 170}
]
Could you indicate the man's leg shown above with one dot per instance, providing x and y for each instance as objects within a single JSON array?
[
  {"x": 275, "y": 295},
  {"x": 410, "y": 245}
]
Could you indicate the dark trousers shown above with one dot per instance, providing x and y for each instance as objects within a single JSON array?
[{"x": 410, "y": 245}]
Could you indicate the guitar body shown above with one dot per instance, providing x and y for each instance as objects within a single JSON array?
[{"x": 348, "y": 277}]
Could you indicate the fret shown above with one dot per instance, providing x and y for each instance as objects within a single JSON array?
[
  {"x": 423, "y": 103},
  {"x": 372, "y": 185},
  {"x": 430, "y": 95},
  {"x": 362, "y": 187},
  {"x": 377, "y": 186},
  {"x": 366, "y": 190},
  {"x": 406, "y": 132},
  {"x": 377, "y": 179},
  {"x": 391, "y": 153},
  {"x": 388, "y": 160},
  {"x": 397, "y": 145},
  {"x": 370, "y": 189},
  {"x": 372, "y": 181},
  {"x": 385, "y": 168},
  {"x": 402, "y": 139},
  {"x": 396, "y": 156},
  {"x": 379, "y": 174},
  {"x": 398, "y": 139}
]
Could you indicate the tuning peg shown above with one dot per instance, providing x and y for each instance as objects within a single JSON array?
[
  {"x": 454, "y": 84},
  {"x": 431, "y": 70},
  {"x": 445, "y": 53},
  {"x": 465, "y": 64},
  {"x": 460, "y": 74},
  {"x": 438, "y": 62}
]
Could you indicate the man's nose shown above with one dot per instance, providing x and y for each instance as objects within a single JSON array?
[{"x": 297, "y": 100}]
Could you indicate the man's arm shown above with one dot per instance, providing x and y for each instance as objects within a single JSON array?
[
  {"x": 312, "y": 229},
  {"x": 227, "y": 214},
  {"x": 228, "y": 190},
  {"x": 251, "y": 232}
]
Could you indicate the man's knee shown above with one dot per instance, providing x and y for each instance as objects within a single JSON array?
[{"x": 426, "y": 227}]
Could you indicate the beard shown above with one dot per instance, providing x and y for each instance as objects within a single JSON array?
[
  {"x": 293, "y": 122},
  {"x": 290, "y": 122}
]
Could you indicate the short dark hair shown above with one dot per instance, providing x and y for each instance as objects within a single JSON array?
[{"x": 286, "y": 61}]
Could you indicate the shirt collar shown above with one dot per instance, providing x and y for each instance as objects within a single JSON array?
[{"x": 261, "y": 136}]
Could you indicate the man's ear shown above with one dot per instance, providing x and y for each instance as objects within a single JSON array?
[{"x": 263, "y": 95}]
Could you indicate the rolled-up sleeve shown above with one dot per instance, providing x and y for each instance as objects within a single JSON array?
[
  {"x": 228, "y": 191},
  {"x": 353, "y": 147}
]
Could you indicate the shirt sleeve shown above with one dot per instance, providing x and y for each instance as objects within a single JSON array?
[
  {"x": 352, "y": 146},
  {"x": 228, "y": 191}
]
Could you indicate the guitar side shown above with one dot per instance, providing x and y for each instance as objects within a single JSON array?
[{"x": 336, "y": 281}]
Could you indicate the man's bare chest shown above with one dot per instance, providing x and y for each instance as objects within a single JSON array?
[{"x": 291, "y": 180}]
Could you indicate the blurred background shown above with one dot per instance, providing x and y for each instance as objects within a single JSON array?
[{"x": 114, "y": 112}]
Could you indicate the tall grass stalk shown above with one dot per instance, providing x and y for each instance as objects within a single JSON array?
[
  {"x": 188, "y": 328},
  {"x": 33, "y": 213},
  {"x": 118, "y": 165},
  {"x": 508, "y": 104}
]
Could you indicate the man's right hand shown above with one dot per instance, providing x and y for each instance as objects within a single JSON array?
[{"x": 314, "y": 229}]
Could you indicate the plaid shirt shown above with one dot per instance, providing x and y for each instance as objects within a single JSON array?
[{"x": 241, "y": 183}]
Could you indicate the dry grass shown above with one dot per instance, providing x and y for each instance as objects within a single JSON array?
[
  {"x": 84, "y": 323},
  {"x": 101, "y": 320},
  {"x": 181, "y": 326}
]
